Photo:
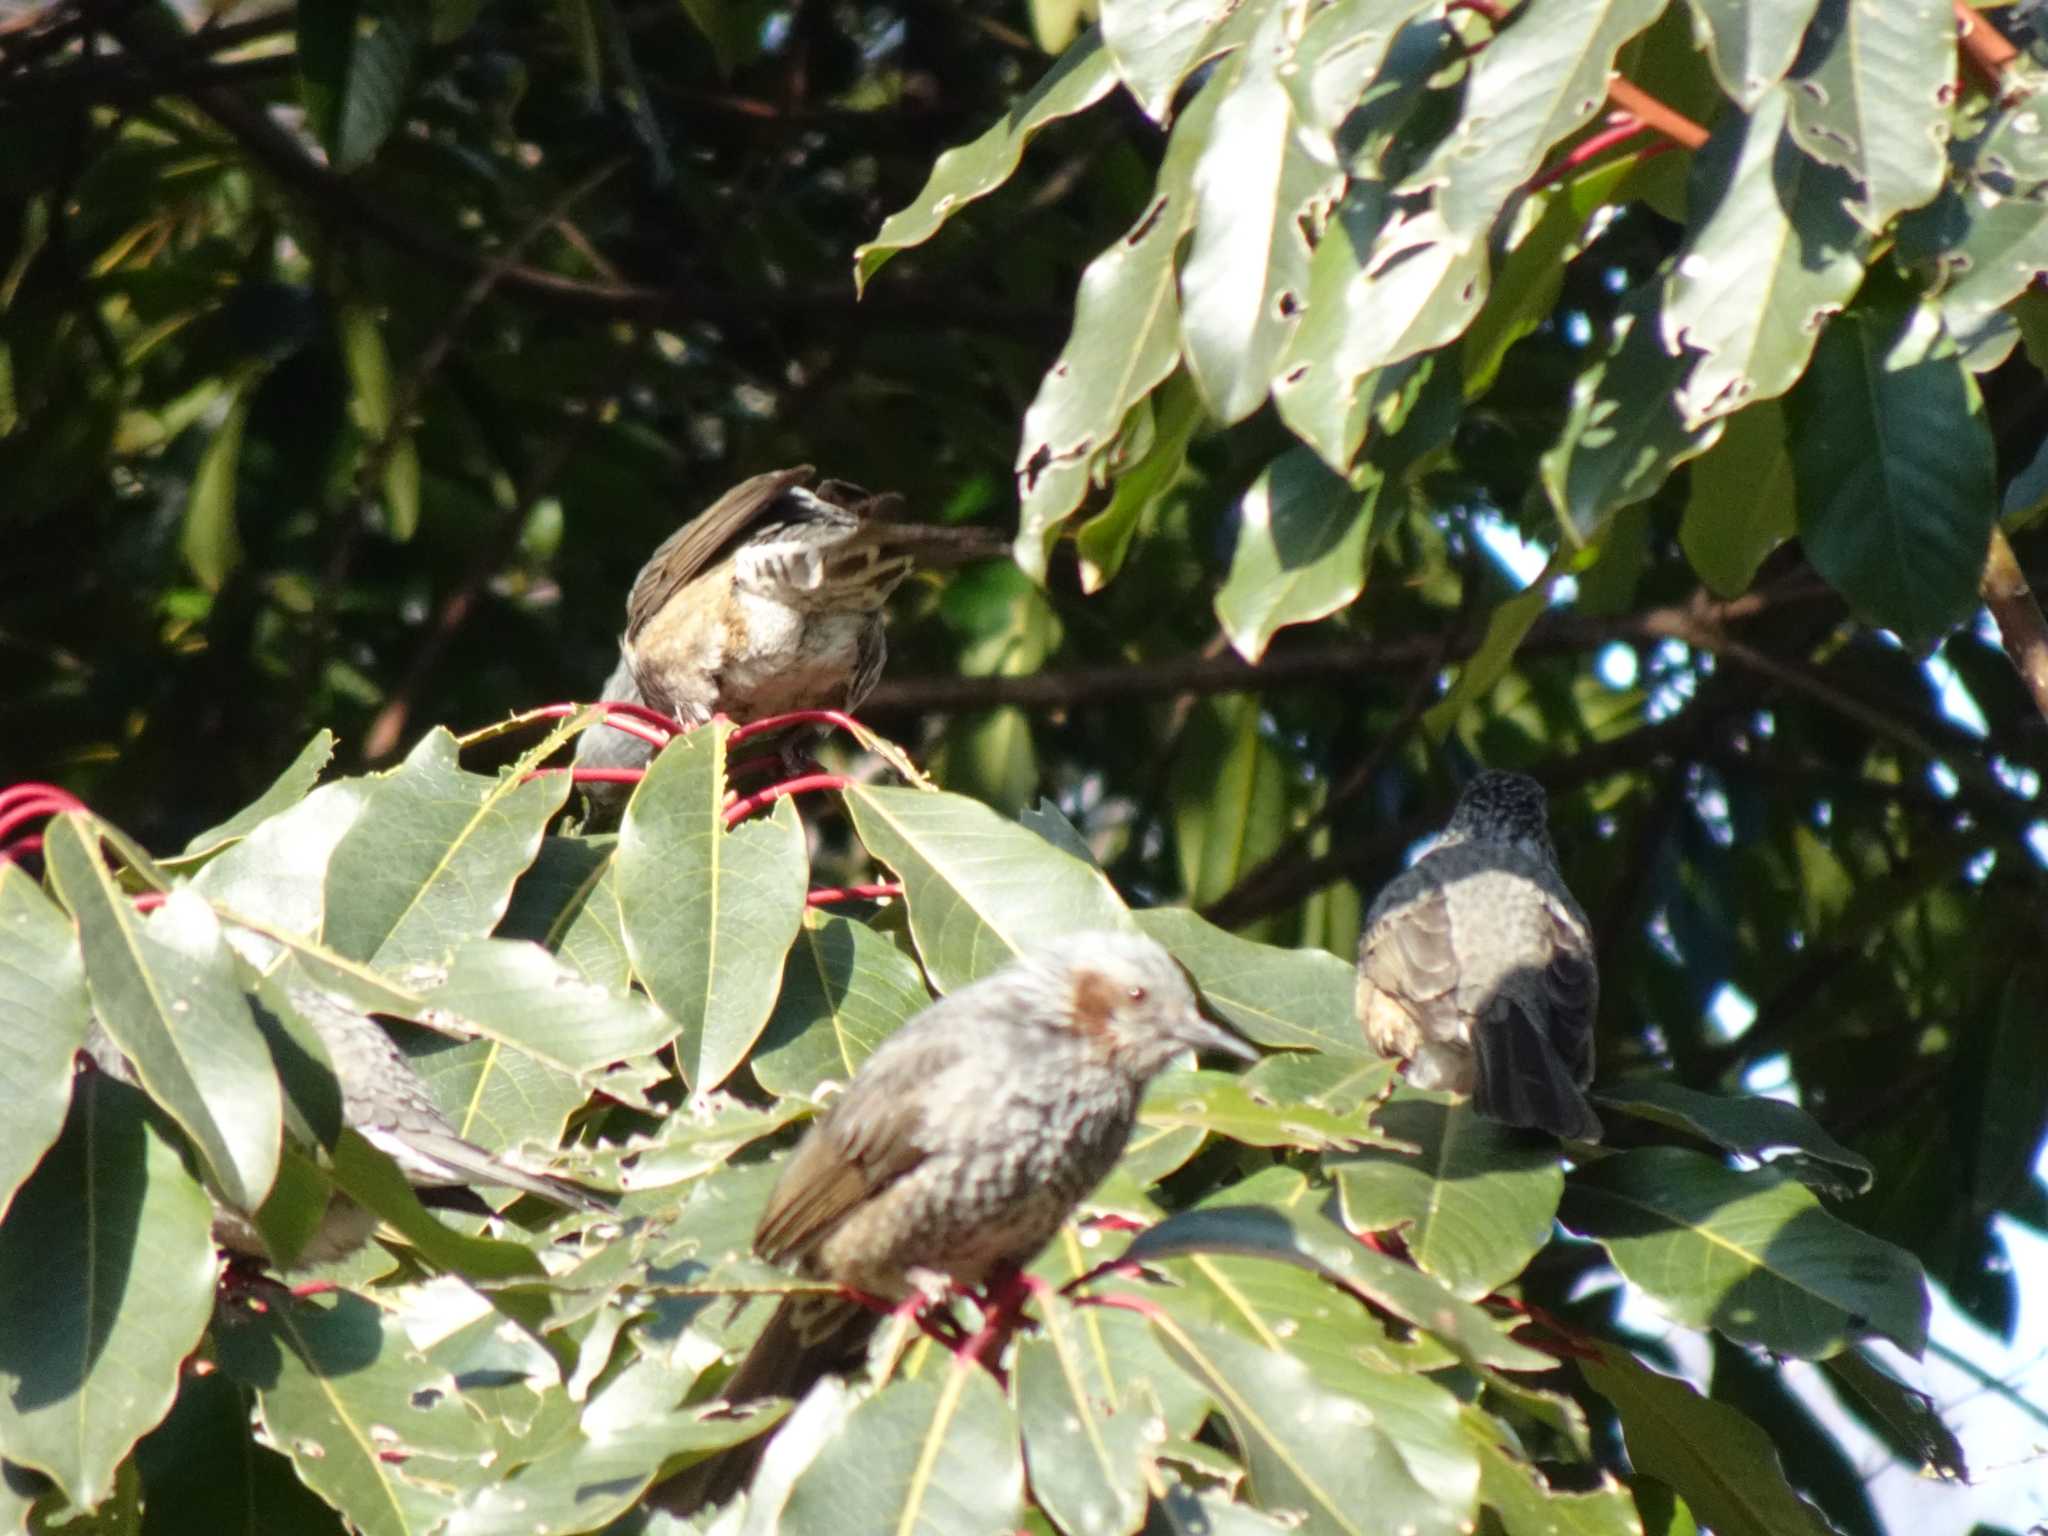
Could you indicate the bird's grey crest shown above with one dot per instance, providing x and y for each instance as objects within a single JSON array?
[{"x": 1502, "y": 808}]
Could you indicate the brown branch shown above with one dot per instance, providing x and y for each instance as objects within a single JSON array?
[
  {"x": 1984, "y": 46},
  {"x": 1372, "y": 859},
  {"x": 2021, "y": 629},
  {"x": 1652, "y": 113},
  {"x": 1701, "y": 623}
]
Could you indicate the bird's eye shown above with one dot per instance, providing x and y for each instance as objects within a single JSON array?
[{"x": 1136, "y": 994}]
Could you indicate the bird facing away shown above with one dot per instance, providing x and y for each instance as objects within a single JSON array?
[
  {"x": 385, "y": 1101},
  {"x": 769, "y": 602},
  {"x": 961, "y": 1145},
  {"x": 1476, "y": 966}
]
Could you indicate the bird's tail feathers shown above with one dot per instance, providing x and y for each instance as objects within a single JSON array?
[
  {"x": 431, "y": 1158},
  {"x": 809, "y": 1336},
  {"x": 1523, "y": 1081}
]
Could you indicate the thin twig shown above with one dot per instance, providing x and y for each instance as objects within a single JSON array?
[
  {"x": 2021, "y": 629},
  {"x": 1652, "y": 113},
  {"x": 1985, "y": 47},
  {"x": 1701, "y": 623}
]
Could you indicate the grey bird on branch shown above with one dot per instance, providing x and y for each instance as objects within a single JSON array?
[
  {"x": 1476, "y": 966},
  {"x": 959, "y": 1148},
  {"x": 385, "y": 1101},
  {"x": 767, "y": 603}
]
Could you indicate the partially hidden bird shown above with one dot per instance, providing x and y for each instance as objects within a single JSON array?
[
  {"x": 959, "y": 1147},
  {"x": 767, "y": 603},
  {"x": 1476, "y": 966},
  {"x": 386, "y": 1102}
]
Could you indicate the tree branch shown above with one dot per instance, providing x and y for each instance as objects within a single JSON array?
[{"x": 1701, "y": 623}]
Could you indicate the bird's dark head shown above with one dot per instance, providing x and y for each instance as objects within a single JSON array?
[
  {"x": 1503, "y": 808},
  {"x": 1127, "y": 996}
]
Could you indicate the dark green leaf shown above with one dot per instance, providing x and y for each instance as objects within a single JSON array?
[
  {"x": 42, "y": 998},
  {"x": 1751, "y": 1254},
  {"x": 1893, "y": 461},
  {"x": 106, "y": 1282}
]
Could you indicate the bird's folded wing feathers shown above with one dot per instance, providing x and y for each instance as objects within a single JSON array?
[
  {"x": 1411, "y": 952},
  {"x": 861, "y": 1148},
  {"x": 691, "y": 549}
]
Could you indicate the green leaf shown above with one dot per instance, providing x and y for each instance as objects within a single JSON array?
[
  {"x": 1230, "y": 787},
  {"x": 210, "y": 543},
  {"x": 1184, "y": 1511},
  {"x": 935, "y": 1455},
  {"x": 1105, "y": 539},
  {"x": 1912, "y": 1426},
  {"x": 1223, "y": 1103},
  {"x": 204, "y": 1474},
  {"x": 1089, "y": 1425},
  {"x": 1505, "y": 629},
  {"x": 373, "y": 1181},
  {"x": 1623, "y": 434},
  {"x": 277, "y": 874},
  {"x": 1259, "y": 185},
  {"x": 356, "y": 62},
  {"x": 1751, "y": 45},
  {"x": 1382, "y": 288},
  {"x": 1539, "y": 79},
  {"x": 1750, "y": 1126},
  {"x": 1873, "y": 96},
  {"x": 709, "y": 912},
  {"x": 1078, "y": 79},
  {"x": 1772, "y": 252},
  {"x": 1389, "y": 1456},
  {"x": 1528, "y": 1506},
  {"x": 106, "y": 1282},
  {"x": 1474, "y": 1204},
  {"x": 42, "y": 999},
  {"x": 980, "y": 889},
  {"x": 1741, "y": 504},
  {"x": 598, "y": 1469},
  {"x": 1300, "y": 554},
  {"x": 1305, "y": 1240},
  {"x": 373, "y": 1426},
  {"x": 1549, "y": 230},
  {"x": 1894, "y": 464},
  {"x": 285, "y": 792},
  {"x": 1125, "y": 342},
  {"x": 520, "y": 995},
  {"x": 1752, "y": 1254},
  {"x": 168, "y": 994},
  {"x": 1294, "y": 998},
  {"x": 845, "y": 989},
  {"x": 373, "y": 407},
  {"x": 1155, "y": 44},
  {"x": 1724, "y": 1466},
  {"x": 432, "y": 859}
]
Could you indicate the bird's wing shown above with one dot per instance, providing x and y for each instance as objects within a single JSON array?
[
  {"x": 694, "y": 547},
  {"x": 871, "y": 1136},
  {"x": 1409, "y": 955},
  {"x": 1571, "y": 986}
]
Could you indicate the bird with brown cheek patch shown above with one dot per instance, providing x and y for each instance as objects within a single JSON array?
[{"x": 960, "y": 1146}]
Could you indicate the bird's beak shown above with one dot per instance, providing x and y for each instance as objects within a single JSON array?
[{"x": 1198, "y": 1032}]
